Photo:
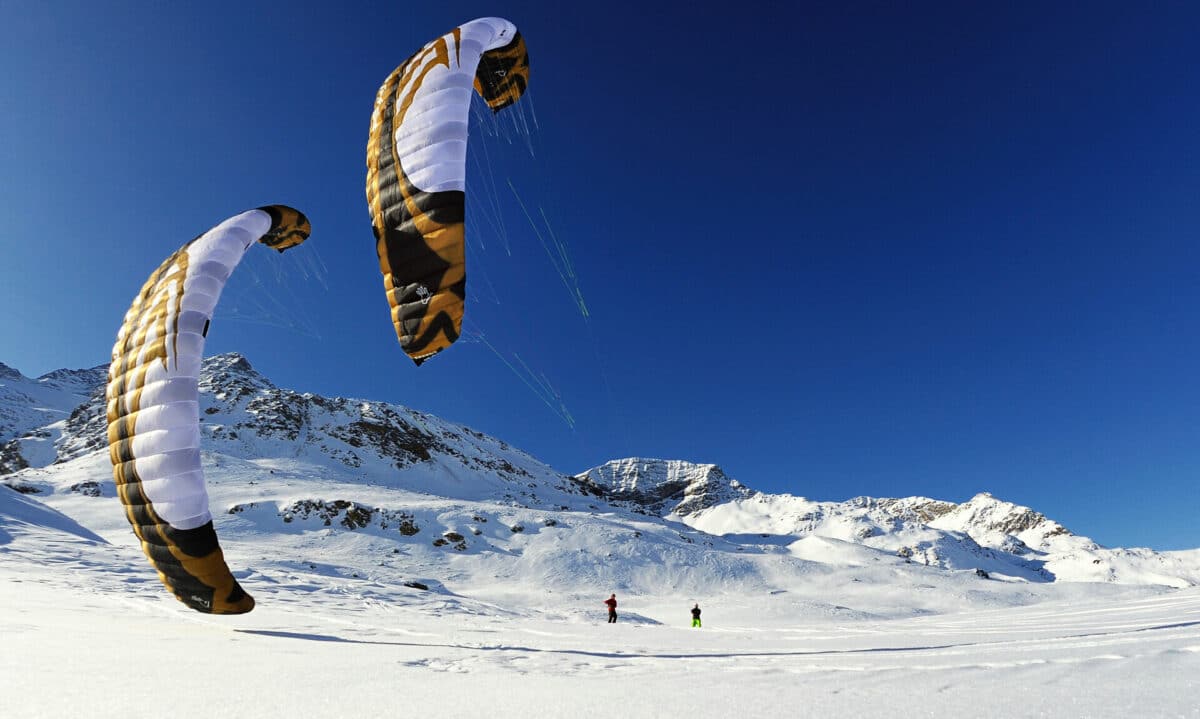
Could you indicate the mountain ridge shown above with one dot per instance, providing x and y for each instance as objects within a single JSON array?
[{"x": 366, "y": 449}]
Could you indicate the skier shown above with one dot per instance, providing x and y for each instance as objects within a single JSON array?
[
  {"x": 696, "y": 615},
  {"x": 611, "y": 603}
]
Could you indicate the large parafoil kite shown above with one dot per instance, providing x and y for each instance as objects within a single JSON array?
[
  {"x": 153, "y": 406},
  {"x": 416, "y": 173}
]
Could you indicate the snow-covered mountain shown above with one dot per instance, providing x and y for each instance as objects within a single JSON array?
[
  {"x": 983, "y": 533},
  {"x": 663, "y": 486},
  {"x": 350, "y": 488},
  {"x": 33, "y": 412}
]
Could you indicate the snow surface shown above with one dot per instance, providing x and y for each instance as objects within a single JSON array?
[
  {"x": 331, "y": 512},
  {"x": 88, "y": 631}
]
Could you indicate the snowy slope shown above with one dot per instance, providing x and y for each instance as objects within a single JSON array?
[
  {"x": 1000, "y": 538},
  {"x": 421, "y": 564},
  {"x": 90, "y": 629},
  {"x": 985, "y": 533},
  {"x": 23, "y": 515},
  {"x": 33, "y": 412},
  {"x": 369, "y": 489}
]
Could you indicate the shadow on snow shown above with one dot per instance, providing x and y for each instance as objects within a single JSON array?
[{"x": 621, "y": 655}]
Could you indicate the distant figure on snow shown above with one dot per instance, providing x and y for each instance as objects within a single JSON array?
[
  {"x": 696, "y": 615},
  {"x": 611, "y": 603}
]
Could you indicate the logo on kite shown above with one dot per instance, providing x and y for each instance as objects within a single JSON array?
[{"x": 423, "y": 293}]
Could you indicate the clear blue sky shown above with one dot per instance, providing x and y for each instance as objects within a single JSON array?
[{"x": 857, "y": 248}]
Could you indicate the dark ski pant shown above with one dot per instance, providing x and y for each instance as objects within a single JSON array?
[{"x": 612, "y": 617}]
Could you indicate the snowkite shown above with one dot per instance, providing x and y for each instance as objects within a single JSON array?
[
  {"x": 416, "y": 173},
  {"x": 154, "y": 410}
]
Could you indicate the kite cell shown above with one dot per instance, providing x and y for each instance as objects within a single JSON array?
[
  {"x": 154, "y": 410},
  {"x": 416, "y": 173}
]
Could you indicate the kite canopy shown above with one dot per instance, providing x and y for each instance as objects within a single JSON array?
[
  {"x": 154, "y": 409},
  {"x": 416, "y": 173}
]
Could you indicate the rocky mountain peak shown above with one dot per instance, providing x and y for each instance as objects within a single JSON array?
[
  {"x": 984, "y": 515},
  {"x": 664, "y": 486},
  {"x": 9, "y": 373},
  {"x": 28, "y": 407},
  {"x": 80, "y": 381},
  {"x": 230, "y": 376},
  {"x": 244, "y": 414}
]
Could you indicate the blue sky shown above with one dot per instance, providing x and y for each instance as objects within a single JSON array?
[{"x": 844, "y": 249}]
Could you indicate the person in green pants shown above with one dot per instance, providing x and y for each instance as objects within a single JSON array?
[{"x": 696, "y": 615}]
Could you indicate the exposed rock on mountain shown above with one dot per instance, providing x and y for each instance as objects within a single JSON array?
[
  {"x": 661, "y": 486},
  {"x": 285, "y": 462}
]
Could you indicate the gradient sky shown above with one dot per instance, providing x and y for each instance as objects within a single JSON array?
[{"x": 847, "y": 249}]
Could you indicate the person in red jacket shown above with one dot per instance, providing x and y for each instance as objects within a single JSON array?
[{"x": 611, "y": 603}]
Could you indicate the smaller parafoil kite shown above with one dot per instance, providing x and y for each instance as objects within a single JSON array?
[
  {"x": 154, "y": 410},
  {"x": 416, "y": 173}
]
